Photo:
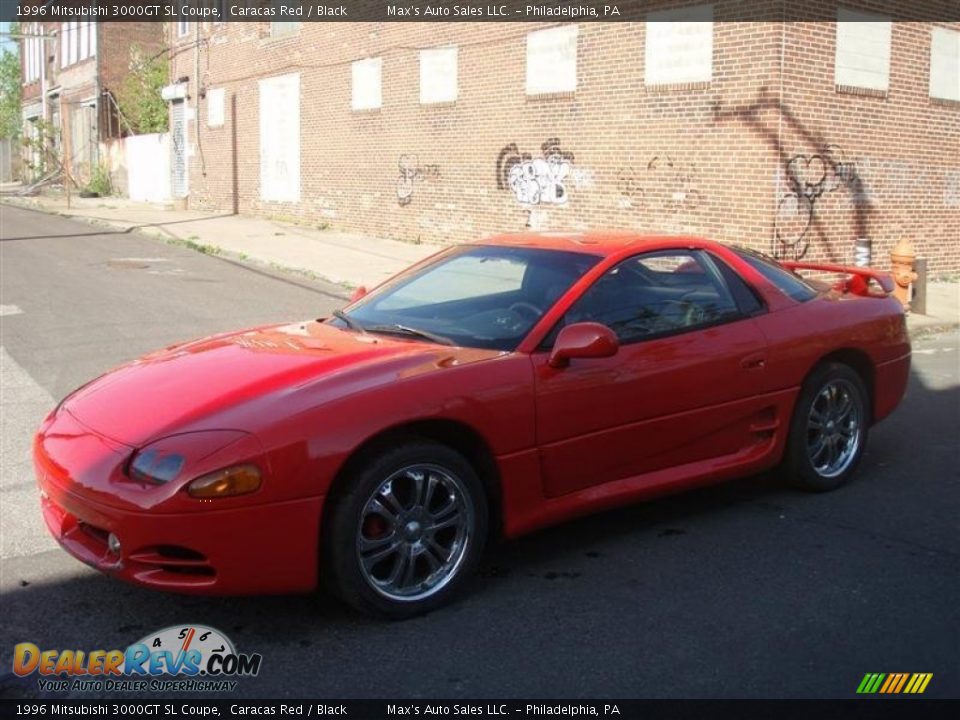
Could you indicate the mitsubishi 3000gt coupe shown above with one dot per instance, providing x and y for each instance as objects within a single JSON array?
[{"x": 494, "y": 388}]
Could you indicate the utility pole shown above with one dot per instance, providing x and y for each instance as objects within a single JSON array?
[{"x": 66, "y": 145}]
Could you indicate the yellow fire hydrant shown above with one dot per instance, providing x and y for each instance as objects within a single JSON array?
[{"x": 902, "y": 259}]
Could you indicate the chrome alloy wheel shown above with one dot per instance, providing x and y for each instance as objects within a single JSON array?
[
  {"x": 834, "y": 428},
  {"x": 414, "y": 532}
]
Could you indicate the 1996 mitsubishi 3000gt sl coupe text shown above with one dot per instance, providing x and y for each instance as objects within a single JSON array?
[{"x": 494, "y": 388}]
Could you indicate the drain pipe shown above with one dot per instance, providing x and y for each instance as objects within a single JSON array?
[{"x": 196, "y": 100}]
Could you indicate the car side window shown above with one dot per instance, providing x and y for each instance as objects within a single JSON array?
[
  {"x": 790, "y": 284},
  {"x": 747, "y": 298},
  {"x": 656, "y": 294}
]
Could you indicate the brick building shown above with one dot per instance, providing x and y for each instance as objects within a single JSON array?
[
  {"x": 70, "y": 72},
  {"x": 793, "y": 137}
]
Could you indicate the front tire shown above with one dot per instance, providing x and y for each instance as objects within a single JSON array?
[
  {"x": 829, "y": 429},
  {"x": 407, "y": 532}
]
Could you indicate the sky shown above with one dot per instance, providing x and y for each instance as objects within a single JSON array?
[{"x": 5, "y": 42}]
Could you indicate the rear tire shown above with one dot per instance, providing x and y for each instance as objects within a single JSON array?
[
  {"x": 408, "y": 532},
  {"x": 829, "y": 429}
]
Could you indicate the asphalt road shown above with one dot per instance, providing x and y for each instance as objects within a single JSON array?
[{"x": 742, "y": 590}]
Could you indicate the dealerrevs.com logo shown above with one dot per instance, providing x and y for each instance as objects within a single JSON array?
[{"x": 184, "y": 658}]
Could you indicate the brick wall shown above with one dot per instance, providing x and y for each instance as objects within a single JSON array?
[
  {"x": 79, "y": 85},
  {"x": 719, "y": 159},
  {"x": 116, "y": 41}
]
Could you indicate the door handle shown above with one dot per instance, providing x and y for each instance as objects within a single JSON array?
[{"x": 754, "y": 362}]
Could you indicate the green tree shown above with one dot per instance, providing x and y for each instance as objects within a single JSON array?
[
  {"x": 9, "y": 95},
  {"x": 142, "y": 107}
]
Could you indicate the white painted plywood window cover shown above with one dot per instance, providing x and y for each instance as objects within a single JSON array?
[
  {"x": 84, "y": 39},
  {"x": 552, "y": 60},
  {"x": 74, "y": 40},
  {"x": 679, "y": 46},
  {"x": 863, "y": 50},
  {"x": 215, "y": 107},
  {"x": 945, "y": 63},
  {"x": 438, "y": 75},
  {"x": 280, "y": 138},
  {"x": 367, "y": 84},
  {"x": 282, "y": 28},
  {"x": 64, "y": 44}
]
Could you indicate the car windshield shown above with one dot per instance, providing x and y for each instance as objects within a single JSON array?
[{"x": 482, "y": 296}]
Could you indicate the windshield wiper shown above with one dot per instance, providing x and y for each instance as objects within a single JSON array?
[
  {"x": 349, "y": 321},
  {"x": 398, "y": 329}
]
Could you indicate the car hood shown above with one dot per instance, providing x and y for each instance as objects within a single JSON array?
[{"x": 185, "y": 387}]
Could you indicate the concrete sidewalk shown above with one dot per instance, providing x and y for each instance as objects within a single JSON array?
[{"x": 349, "y": 259}]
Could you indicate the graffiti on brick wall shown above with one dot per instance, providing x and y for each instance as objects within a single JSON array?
[
  {"x": 894, "y": 177},
  {"x": 676, "y": 183},
  {"x": 664, "y": 185},
  {"x": 411, "y": 173},
  {"x": 629, "y": 186},
  {"x": 535, "y": 180},
  {"x": 866, "y": 181},
  {"x": 808, "y": 179}
]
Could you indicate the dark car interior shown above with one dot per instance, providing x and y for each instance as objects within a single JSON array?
[{"x": 641, "y": 298}]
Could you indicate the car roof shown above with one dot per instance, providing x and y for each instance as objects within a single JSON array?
[{"x": 596, "y": 242}]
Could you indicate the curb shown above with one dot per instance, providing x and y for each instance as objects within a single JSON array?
[{"x": 932, "y": 329}]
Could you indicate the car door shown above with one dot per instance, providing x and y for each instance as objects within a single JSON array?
[{"x": 682, "y": 388}]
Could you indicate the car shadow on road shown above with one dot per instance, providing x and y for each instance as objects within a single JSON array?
[{"x": 561, "y": 589}]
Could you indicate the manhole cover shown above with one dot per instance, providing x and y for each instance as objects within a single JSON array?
[{"x": 133, "y": 263}]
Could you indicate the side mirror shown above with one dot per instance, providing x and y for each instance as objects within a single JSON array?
[
  {"x": 583, "y": 340},
  {"x": 358, "y": 293}
]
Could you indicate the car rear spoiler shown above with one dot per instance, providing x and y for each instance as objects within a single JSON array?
[{"x": 857, "y": 280}]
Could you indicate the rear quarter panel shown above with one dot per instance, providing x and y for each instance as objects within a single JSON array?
[{"x": 802, "y": 335}]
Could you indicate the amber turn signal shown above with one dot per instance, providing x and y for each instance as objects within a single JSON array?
[{"x": 237, "y": 480}]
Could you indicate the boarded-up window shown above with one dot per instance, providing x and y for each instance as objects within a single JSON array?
[
  {"x": 74, "y": 37},
  {"x": 280, "y": 138},
  {"x": 78, "y": 41},
  {"x": 863, "y": 50},
  {"x": 552, "y": 60},
  {"x": 215, "y": 107},
  {"x": 438, "y": 75},
  {"x": 945, "y": 63},
  {"x": 285, "y": 25},
  {"x": 679, "y": 46},
  {"x": 33, "y": 53},
  {"x": 84, "y": 38},
  {"x": 366, "y": 76}
]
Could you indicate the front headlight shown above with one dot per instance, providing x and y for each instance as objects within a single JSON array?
[
  {"x": 155, "y": 466},
  {"x": 208, "y": 463},
  {"x": 237, "y": 480}
]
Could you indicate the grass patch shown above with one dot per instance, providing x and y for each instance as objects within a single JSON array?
[{"x": 192, "y": 243}]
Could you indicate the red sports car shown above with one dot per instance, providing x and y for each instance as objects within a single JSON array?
[{"x": 492, "y": 389}]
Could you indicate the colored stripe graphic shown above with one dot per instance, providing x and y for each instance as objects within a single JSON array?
[
  {"x": 894, "y": 683},
  {"x": 892, "y": 679},
  {"x": 903, "y": 679}
]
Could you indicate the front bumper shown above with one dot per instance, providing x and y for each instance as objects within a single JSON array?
[{"x": 258, "y": 549}]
